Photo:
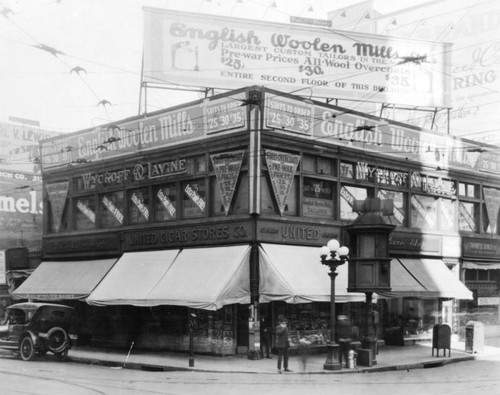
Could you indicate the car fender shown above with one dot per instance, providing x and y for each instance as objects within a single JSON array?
[{"x": 34, "y": 337}]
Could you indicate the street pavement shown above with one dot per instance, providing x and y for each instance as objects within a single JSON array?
[{"x": 389, "y": 358}]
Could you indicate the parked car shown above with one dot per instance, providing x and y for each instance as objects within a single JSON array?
[{"x": 36, "y": 328}]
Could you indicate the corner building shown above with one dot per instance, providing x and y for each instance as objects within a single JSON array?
[{"x": 218, "y": 208}]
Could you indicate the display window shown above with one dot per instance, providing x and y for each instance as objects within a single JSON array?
[
  {"x": 347, "y": 170},
  {"x": 317, "y": 199},
  {"x": 423, "y": 212},
  {"x": 138, "y": 205},
  {"x": 112, "y": 209},
  {"x": 447, "y": 215},
  {"x": 468, "y": 216},
  {"x": 399, "y": 216},
  {"x": 239, "y": 202},
  {"x": 269, "y": 202},
  {"x": 196, "y": 165},
  {"x": 468, "y": 190},
  {"x": 165, "y": 202},
  {"x": 84, "y": 212},
  {"x": 194, "y": 203},
  {"x": 318, "y": 165},
  {"x": 348, "y": 194},
  {"x": 64, "y": 223}
]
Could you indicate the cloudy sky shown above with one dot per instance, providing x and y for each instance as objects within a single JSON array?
[{"x": 60, "y": 58}]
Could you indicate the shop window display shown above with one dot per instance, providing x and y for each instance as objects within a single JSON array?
[
  {"x": 112, "y": 209},
  {"x": 165, "y": 202},
  {"x": 399, "y": 199},
  {"x": 239, "y": 201},
  {"x": 348, "y": 194},
  {"x": 269, "y": 203},
  {"x": 317, "y": 200},
  {"x": 84, "y": 212},
  {"x": 423, "y": 211},
  {"x": 447, "y": 215},
  {"x": 139, "y": 211},
  {"x": 194, "y": 203},
  {"x": 468, "y": 216}
]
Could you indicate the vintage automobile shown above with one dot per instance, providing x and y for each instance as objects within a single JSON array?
[{"x": 36, "y": 328}]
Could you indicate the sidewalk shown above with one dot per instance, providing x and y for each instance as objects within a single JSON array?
[{"x": 389, "y": 358}]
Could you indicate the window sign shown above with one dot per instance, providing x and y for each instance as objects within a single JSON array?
[
  {"x": 139, "y": 206},
  {"x": 492, "y": 202},
  {"x": 346, "y": 170},
  {"x": 467, "y": 215},
  {"x": 447, "y": 214},
  {"x": 399, "y": 204},
  {"x": 423, "y": 212},
  {"x": 194, "y": 199},
  {"x": 434, "y": 185},
  {"x": 318, "y": 198},
  {"x": 365, "y": 172},
  {"x": 85, "y": 213},
  {"x": 138, "y": 173},
  {"x": 348, "y": 195},
  {"x": 57, "y": 193},
  {"x": 165, "y": 203},
  {"x": 227, "y": 168},
  {"x": 112, "y": 209},
  {"x": 281, "y": 167}
]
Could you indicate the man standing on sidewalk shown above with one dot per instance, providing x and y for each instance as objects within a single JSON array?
[{"x": 282, "y": 343}]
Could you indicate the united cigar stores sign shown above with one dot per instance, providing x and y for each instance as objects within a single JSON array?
[
  {"x": 186, "y": 235},
  {"x": 137, "y": 173}
]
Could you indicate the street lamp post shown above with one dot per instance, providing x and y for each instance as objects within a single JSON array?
[{"x": 332, "y": 255}]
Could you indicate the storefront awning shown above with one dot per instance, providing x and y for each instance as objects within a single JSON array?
[
  {"x": 65, "y": 280},
  {"x": 133, "y": 277},
  {"x": 202, "y": 278},
  {"x": 294, "y": 274},
  {"x": 425, "y": 279},
  {"x": 481, "y": 265}
]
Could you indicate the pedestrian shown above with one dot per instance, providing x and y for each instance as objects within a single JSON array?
[
  {"x": 304, "y": 345},
  {"x": 344, "y": 337},
  {"x": 282, "y": 343},
  {"x": 265, "y": 334}
]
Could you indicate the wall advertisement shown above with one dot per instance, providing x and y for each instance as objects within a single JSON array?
[
  {"x": 333, "y": 125},
  {"x": 229, "y": 53},
  {"x": 162, "y": 129},
  {"x": 473, "y": 29}
]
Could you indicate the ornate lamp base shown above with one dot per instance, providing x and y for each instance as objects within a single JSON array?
[{"x": 332, "y": 357}]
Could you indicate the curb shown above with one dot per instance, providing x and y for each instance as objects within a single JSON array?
[{"x": 163, "y": 368}]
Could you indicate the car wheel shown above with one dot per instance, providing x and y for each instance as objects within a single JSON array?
[
  {"x": 57, "y": 340},
  {"x": 27, "y": 348}
]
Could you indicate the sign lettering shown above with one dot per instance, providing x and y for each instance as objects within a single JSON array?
[
  {"x": 227, "y": 168},
  {"x": 281, "y": 167}
]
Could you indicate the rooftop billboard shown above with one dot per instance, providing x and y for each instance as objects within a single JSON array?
[{"x": 219, "y": 52}]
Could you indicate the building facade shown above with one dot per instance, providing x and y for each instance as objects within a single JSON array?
[{"x": 218, "y": 208}]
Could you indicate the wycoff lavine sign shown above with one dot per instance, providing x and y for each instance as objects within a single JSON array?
[{"x": 137, "y": 173}]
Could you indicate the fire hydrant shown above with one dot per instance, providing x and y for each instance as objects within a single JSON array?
[{"x": 351, "y": 359}]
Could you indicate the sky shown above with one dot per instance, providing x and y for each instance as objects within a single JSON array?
[{"x": 76, "y": 64}]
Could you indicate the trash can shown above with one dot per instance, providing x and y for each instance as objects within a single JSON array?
[
  {"x": 441, "y": 339},
  {"x": 474, "y": 337},
  {"x": 365, "y": 357}
]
